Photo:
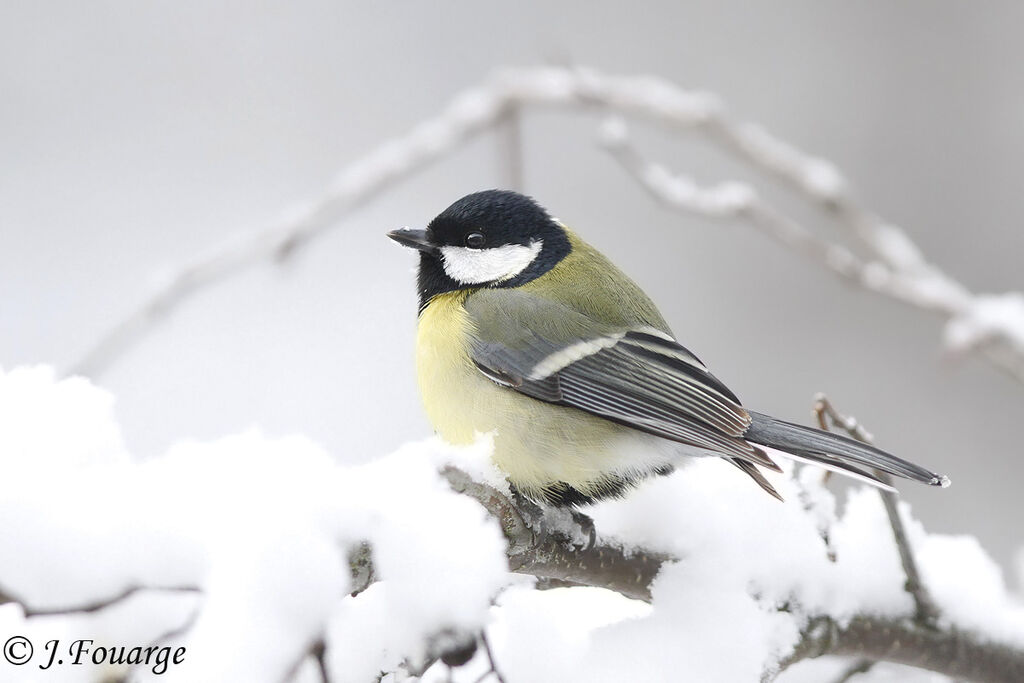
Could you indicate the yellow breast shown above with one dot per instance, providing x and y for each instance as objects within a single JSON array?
[
  {"x": 444, "y": 369},
  {"x": 536, "y": 444}
]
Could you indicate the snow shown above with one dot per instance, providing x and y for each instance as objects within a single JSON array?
[
  {"x": 988, "y": 606},
  {"x": 262, "y": 526},
  {"x": 250, "y": 534},
  {"x": 662, "y": 98},
  {"x": 897, "y": 248},
  {"x": 715, "y": 614},
  {"x": 817, "y": 177},
  {"x": 724, "y": 199},
  {"x": 987, "y": 317},
  {"x": 833, "y": 668},
  {"x": 29, "y": 397},
  {"x": 822, "y": 179}
]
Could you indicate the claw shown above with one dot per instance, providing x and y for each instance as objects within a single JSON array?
[
  {"x": 532, "y": 514},
  {"x": 586, "y": 525}
]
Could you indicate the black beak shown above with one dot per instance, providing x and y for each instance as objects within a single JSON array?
[{"x": 417, "y": 239}]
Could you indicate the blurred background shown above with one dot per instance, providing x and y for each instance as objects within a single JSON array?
[{"x": 134, "y": 136}]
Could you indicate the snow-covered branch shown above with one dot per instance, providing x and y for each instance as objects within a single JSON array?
[
  {"x": 896, "y": 267},
  {"x": 947, "y": 650},
  {"x": 925, "y": 612},
  {"x": 919, "y": 639},
  {"x": 555, "y": 544},
  {"x": 301, "y": 565},
  {"x": 550, "y": 544}
]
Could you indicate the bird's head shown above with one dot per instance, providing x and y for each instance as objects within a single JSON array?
[{"x": 494, "y": 238}]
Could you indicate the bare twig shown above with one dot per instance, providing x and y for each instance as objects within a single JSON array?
[
  {"x": 165, "y": 637},
  {"x": 926, "y": 613},
  {"x": 319, "y": 651},
  {"x": 92, "y": 605},
  {"x": 490, "y": 658}
]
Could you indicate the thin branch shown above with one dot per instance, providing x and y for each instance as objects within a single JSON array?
[
  {"x": 554, "y": 554},
  {"x": 926, "y": 613},
  {"x": 179, "y": 630},
  {"x": 316, "y": 652},
  {"x": 490, "y": 658},
  {"x": 89, "y": 606},
  {"x": 319, "y": 652},
  {"x": 898, "y": 270},
  {"x": 556, "y": 547},
  {"x": 468, "y": 114},
  {"x": 948, "y": 651},
  {"x": 165, "y": 637},
  {"x": 740, "y": 201},
  {"x": 559, "y": 555},
  {"x": 729, "y": 201}
]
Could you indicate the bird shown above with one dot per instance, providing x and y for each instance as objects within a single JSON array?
[{"x": 527, "y": 333}]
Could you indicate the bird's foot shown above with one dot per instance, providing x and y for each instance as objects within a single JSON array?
[
  {"x": 533, "y": 515},
  {"x": 586, "y": 525}
]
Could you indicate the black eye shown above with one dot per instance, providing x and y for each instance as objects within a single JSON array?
[{"x": 475, "y": 240}]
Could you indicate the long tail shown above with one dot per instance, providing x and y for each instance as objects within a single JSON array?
[{"x": 834, "y": 452}]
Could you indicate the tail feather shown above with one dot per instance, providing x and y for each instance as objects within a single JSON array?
[
  {"x": 756, "y": 475},
  {"x": 834, "y": 452}
]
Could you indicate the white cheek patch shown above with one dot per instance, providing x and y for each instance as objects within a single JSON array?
[{"x": 477, "y": 266}]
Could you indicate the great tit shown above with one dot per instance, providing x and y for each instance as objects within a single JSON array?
[{"x": 528, "y": 333}]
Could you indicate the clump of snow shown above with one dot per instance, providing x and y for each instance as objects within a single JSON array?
[
  {"x": 931, "y": 288},
  {"x": 546, "y": 84},
  {"x": 33, "y": 401},
  {"x": 441, "y": 558},
  {"x": 724, "y": 199},
  {"x": 648, "y": 94},
  {"x": 817, "y": 177},
  {"x": 988, "y": 606},
  {"x": 897, "y": 249},
  {"x": 835, "y": 668},
  {"x": 822, "y": 178},
  {"x": 987, "y": 317},
  {"x": 550, "y": 635},
  {"x": 662, "y": 97},
  {"x": 707, "y": 516}
]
